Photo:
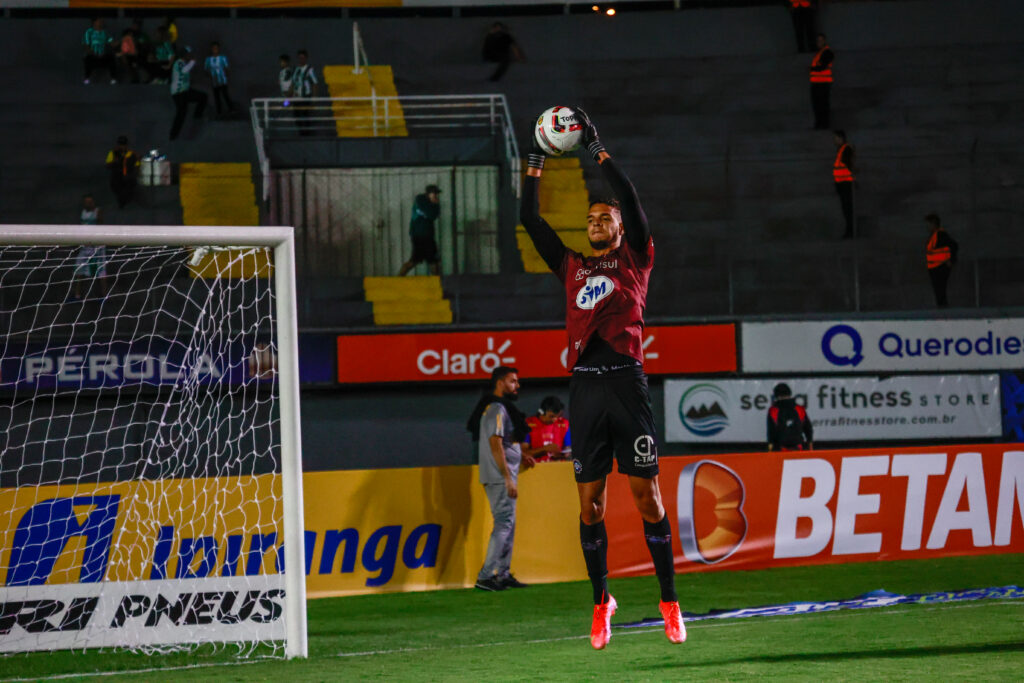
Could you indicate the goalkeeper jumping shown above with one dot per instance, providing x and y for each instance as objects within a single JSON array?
[{"x": 609, "y": 404}]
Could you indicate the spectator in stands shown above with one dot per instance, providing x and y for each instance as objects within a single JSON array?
[
  {"x": 549, "y": 431},
  {"x": 98, "y": 51},
  {"x": 284, "y": 76},
  {"x": 182, "y": 91},
  {"x": 842, "y": 174},
  {"x": 128, "y": 55},
  {"x": 425, "y": 210},
  {"x": 821, "y": 84},
  {"x": 123, "y": 165},
  {"x": 172, "y": 30},
  {"x": 304, "y": 84},
  {"x": 789, "y": 428},
  {"x": 501, "y": 47},
  {"x": 162, "y": 57},
  {"x": 803, "y": 13},
  {"x": 500, "y": 429},
  {"x": 90, "y": 261},
  {"x": 940, "y": 252},
  {"x": 217, "y": 66}
]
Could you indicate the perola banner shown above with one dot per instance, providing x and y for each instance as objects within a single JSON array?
[{"x": 840, "y": 408}]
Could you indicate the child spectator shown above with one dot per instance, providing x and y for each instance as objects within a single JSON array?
[
  {"x": 128, "y": 55},
  {"x": 90, "y": 261},
  {"x": 217, "y": 66},
  {"x": 97, "y": 44},
  {"x": 163, "y": 57},
  {"x": 284, "y": 76}
]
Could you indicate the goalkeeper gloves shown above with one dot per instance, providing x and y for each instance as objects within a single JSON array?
[
  {"x": 535, "y": 158},
  {"x": 590, "y": 139}
]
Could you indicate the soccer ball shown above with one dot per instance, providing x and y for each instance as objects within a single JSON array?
[{"x": 557, "y": 131}]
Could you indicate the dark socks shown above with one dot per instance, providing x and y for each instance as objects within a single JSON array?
[
  {"x": 659, "y": 542},
  {"x": 594, "y": 539}
]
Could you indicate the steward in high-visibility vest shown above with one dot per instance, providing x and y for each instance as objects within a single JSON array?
[
  {"x": 842, "y": 167},
  {"x": 821, "y": 65},
  {"x": 821, "y": 83},
  {"x": 842, "y": 174},
  {"x": 802, "y": 12},
  {"x": 940, "y": 255}
]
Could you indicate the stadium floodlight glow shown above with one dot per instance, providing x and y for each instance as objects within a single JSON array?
[{"x": 151, "y": 478}]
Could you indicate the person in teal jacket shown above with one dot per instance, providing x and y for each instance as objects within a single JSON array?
[{"x": 425, "y": 211}]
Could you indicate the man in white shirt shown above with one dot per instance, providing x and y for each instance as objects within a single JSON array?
[{"x": 182, "y": 92}]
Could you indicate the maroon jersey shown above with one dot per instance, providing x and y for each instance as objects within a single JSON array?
[{"x": 606, "y": 296}]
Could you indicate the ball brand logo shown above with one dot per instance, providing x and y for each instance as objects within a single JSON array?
[
  {"x": 701, "y": 411},
  {"x": 709, "y": 501},
  {"x": 595, "y": 289},
  {"x": 850, "y": 355}
]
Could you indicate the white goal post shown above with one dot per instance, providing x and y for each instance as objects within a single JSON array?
[{"x": 215, "y": 589}]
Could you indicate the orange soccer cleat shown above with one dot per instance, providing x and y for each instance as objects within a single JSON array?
[
  {"x": 601, "y": 628},
  {"x": 675, "y": 630}
]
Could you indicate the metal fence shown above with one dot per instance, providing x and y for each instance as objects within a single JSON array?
[
  {"x": 355, "y": 221},
  {"x": 384, "y": 116}
]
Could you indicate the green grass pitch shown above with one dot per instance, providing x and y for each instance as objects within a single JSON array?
[{"x": 541, "y": 633}]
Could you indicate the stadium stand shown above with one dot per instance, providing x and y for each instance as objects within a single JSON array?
[{"x": 715, "y": 134}]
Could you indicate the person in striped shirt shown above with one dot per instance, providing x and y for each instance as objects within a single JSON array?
[
  {"x": 304, "y": 84},
  {"x": 98, "y": 43},
  {"x": 182, "y": 91},
  {"x": 217, "y": 66}
]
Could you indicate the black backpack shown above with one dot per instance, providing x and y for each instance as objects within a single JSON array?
[{"x": 790, "y": 430}]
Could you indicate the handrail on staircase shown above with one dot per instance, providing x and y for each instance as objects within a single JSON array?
[
  {"x": 421, "y": 114},
  {"x": 360, "y": 60}
]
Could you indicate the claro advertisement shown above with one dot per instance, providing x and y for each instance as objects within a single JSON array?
[
  {"x": 447, "y": 356},
  {"x": 883, "y": 345},
  {"x": 840, "y": 408},
  {"x": 759, "y": 510}
]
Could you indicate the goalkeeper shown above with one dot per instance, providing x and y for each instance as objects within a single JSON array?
[{"x": 609, "y": 404}]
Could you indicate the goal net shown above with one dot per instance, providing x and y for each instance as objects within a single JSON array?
[{"x": 150, "y": 483}]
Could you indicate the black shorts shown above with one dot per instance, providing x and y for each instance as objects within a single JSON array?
[
  {"x": 424, "y": 249},
  {"x": 610, "y": 414}
]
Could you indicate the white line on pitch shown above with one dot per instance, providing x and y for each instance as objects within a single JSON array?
[{"x": 701, "y": 625}]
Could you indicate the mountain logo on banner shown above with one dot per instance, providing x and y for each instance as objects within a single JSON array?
[
  {"x": 709, "y": 501},
  {"x": 701, "y": 411}
]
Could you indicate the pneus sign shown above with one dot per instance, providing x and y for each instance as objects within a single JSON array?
[
  {"x": 840, "y": 408},
  {"x": 883, "y": 345}
]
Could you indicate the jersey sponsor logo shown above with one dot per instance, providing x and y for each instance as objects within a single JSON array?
[
  {"x": 609, "y": 265},
  {"x": 712, "y": 525},
  {"x": 596, "y": 288}
]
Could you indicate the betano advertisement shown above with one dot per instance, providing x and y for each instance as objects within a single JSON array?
[
  {"x": 840, "y": 408},
  {"x": 760, "y": 510},
  {"x": 175, "y": 560},
  {"x": 180, "y": 559},
  {"x": 450, "y": 356},
  {"x": 883, "y": 345}
]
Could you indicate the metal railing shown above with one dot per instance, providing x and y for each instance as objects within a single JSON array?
[{"x": 387, "y": 116}]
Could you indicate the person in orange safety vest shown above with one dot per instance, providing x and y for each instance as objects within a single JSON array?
[
  {"x": 940, "y": 255},
  {"x": 803, "y": 13},
  {"x": 821, "y": 83},
  {"x": 842, "y": 174}
]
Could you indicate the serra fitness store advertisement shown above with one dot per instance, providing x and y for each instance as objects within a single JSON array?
[{"x": 759, "y": 510}]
